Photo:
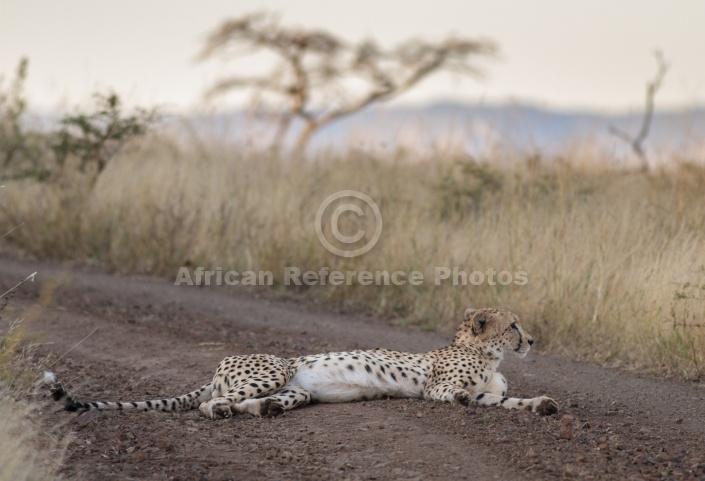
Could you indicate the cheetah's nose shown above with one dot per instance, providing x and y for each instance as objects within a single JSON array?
[{"x": 531, "y": 341}]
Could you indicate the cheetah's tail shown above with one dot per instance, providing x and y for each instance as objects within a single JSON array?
[{"x": 182, "y": 403}]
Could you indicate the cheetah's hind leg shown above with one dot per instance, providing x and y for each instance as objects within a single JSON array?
[
  {"x": 248, "y": 377},
  {"x": 224, "y": 406},
  {"x": 284, "y": 400}
]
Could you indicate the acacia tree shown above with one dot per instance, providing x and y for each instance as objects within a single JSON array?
[{"x": 319, "y": 78}]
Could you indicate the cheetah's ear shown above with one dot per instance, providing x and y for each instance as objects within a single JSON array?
[
  {"x": 469, "y": 313},
  {"x": 478, "y": 324}
]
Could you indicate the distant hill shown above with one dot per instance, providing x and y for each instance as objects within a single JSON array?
[{"x": 475, "y": 127}]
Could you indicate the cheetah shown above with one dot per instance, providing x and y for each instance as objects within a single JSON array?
[{"x": 266, "y": 385}]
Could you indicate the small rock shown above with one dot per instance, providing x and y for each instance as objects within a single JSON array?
[
  {"x": 602, "y": 446},
  {"x": 679, "y": 421},
  {"x": 419, "y": 415},
  {"x": 530, "y": 453},
  {"x": 131, "y": 449},
  {"x": 88, "y": 416},
  {"x": 570, "y": 471},
  {"x": 615, "y": 439},
  {"x": 663, "y": 456},
  {"x": 565, "y": 433}
]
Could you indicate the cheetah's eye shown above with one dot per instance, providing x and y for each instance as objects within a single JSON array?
[{"x": 513, "y": 325}]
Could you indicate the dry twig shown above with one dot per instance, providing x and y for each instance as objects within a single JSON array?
[{"x": 652, "y": 87}]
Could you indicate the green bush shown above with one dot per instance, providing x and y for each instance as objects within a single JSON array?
[
  {"x": 97, "y": 137},
  {"x": 22, "y": 152}
]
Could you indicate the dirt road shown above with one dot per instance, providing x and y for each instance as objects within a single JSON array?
[{"x": 156, "y": 340}]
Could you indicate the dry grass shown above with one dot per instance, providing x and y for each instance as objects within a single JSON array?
[
  {"x": 20, "y": 457},
  {"x": 614, "y": 258},
  {"x": 28, "y": 450},
  {"x": 31, "y": 447}
]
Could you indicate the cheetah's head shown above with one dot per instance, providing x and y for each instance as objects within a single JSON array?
[{"x": 495, "y": 329}]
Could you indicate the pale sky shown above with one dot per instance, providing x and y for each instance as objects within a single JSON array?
[{"x": 589, "y": 54}]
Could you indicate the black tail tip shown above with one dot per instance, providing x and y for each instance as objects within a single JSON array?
[
  {"x": 74, "y": 406},
  {"x": 58, "y": 392}
]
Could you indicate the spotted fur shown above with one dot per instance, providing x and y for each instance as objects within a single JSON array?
[{"x": 264, "y": 385}]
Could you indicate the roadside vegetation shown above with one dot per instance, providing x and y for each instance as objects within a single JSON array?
[
  {"x": 614, "y": 256},
  {"x": 29, "y": 449}
]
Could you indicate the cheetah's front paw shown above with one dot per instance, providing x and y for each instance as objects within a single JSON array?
[
  {"x": 462, "y": 398},
  {"x": 270, "y": 408},
  {"x": 545, "y": 406},
  {"x": 216, "y": 409}
]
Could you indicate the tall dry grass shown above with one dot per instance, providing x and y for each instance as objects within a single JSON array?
[
  {"x": 20, "y": 455},
  {"x": 28, "y": 450},
  {"x": 614, "y": 258}
]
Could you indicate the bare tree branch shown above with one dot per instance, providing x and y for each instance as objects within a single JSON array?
[
  {"x": 652, "y": 87},
  {"x": 231, "y": 83}
]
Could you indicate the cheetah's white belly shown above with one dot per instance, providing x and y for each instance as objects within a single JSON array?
[{"x": 337, "y": 384}]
